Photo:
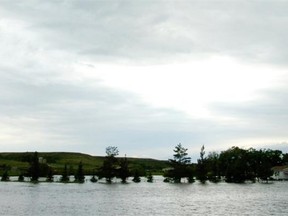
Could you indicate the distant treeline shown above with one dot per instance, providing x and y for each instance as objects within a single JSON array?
[
  {"x": 66, "y": 163},
  {"x": 232, "y": 165}
]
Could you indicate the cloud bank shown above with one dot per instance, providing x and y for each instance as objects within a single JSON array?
[{"x": 142, "y": 75}]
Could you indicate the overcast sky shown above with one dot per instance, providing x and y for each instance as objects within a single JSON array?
[{"x": 81, "y": 75}]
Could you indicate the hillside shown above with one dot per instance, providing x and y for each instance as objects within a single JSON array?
[{"x": 18, "y": 163}]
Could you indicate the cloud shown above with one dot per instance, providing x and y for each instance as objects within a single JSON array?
[
  {"x": 64, "y": 83},
  {"x": 137, "y": 30},
  {"x": 259, "y": 122}
]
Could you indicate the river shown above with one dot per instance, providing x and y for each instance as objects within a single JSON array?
[{"x": 158, "y": 198}]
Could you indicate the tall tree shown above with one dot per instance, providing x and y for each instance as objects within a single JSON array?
[
  {"x": 79, "y": 176},
  {"x": 65, "y": 176},
  {"x": 202, "y": 166},
  {"x": 5, "y": 176},
  {"x": 234, "y": 164},
  {"x": 212, "y": 161},
  {"x": 180, "y": 165},
  {"x": 50, "y": 175},
  {"x": 123, "y": 171},
  {"x": 34, "y": 169},
  {"x": 110, "y": 164}
]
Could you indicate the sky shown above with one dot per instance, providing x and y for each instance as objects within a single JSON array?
[{"x": 143, "y": 75}]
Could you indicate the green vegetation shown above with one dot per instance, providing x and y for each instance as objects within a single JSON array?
[
  {"x": 201, "y": 167},
  {"x": 65, "y": 176},
  {"x": 180, "y": 166},
  {"x": 136, "y": 177},
  {"x": 79, "y": 176},
  {"x": 110, "y": 165},
  {"x": 235, "y": 165},
  {"x": 18, "y": 163}
]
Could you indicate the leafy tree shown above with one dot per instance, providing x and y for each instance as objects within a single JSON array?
[
  {"x": 112, "y": 151},
  {"x": 202, "y": 166},
  {"x": 266, "y": 160},
  {"x": 285, "y": 159},
  {"x": 234, "y": 164},
  {"x": 212, "y": 161},
  {"x": 239, "y": 165},
  {"x": 180, "y": 165},
  {"x": 79, "y": 177}
]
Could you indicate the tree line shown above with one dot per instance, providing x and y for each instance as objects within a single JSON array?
[{"x": 232, "y": 165}]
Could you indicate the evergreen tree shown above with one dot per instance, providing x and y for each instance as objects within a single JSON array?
[
  {"x": 136, "y": 177},
  {"x": 180, "y": 166},
  {"x": 21, "y": 178},
  {"x": 5, "y": 176},
  {"x": 93, "y": 179},
  {"x": 34, "y": 169},
  {"x": 110, "y": 164},
  {"x": 79, "y": 177},
  {"x": 149, "y": 177},
  {"x": 123, "y": 171},
  {"x": 65, "y": 177},
  {"x": 202, "y": 167},
  {"x": 50, "y": 175}
]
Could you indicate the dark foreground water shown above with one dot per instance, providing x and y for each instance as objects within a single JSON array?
[{"x": 144, "y": 198}]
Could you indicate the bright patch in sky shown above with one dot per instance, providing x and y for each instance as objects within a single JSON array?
[{"x": 189, "y": 86}]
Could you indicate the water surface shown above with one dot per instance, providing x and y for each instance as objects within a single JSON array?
[{"x": 144, "y": 198}]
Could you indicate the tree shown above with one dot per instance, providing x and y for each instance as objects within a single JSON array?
[
  {"x": 179, "y": 166},
  {"x": 136, "y": 176},
  {"x": 212, "y": 161},
  {"x": 21, "y": 178},
  {"x": 202, "y": 166},
  {"x": 234, "y": 164},
  {"x": 110, "y": 164},
  {"x": 266, "y": 160},
  {"x": 50, "y": 175},
  {"x": 79, "y": 176},
  {"x": 112, "y": 151},
  {"x": 65, "y": 177},
  {"x": 5, "y": 176},
  {"x": 34, "y": 170},
  {"x": 123, "y": 171},
  {"x": 93, "y": 179},
  {"x": 149, "y": 177}
]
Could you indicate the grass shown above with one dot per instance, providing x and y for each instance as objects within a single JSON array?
[{"x": 17, "y": 163}]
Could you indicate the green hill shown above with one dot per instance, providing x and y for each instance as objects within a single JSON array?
[{"x": 17, "y": 163}]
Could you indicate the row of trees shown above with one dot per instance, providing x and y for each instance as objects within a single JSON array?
[
  {"x": 37, "y": 169},
  {"x": 111, "y": 168},
  {"x": 233, "y": 165},
  {"x": 118, "y": 168}
]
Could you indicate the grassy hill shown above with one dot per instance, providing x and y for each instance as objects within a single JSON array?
[{"x": 18, "y": 163}]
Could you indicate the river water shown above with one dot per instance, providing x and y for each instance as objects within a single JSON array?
[{"x": 143, "y": 198}]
